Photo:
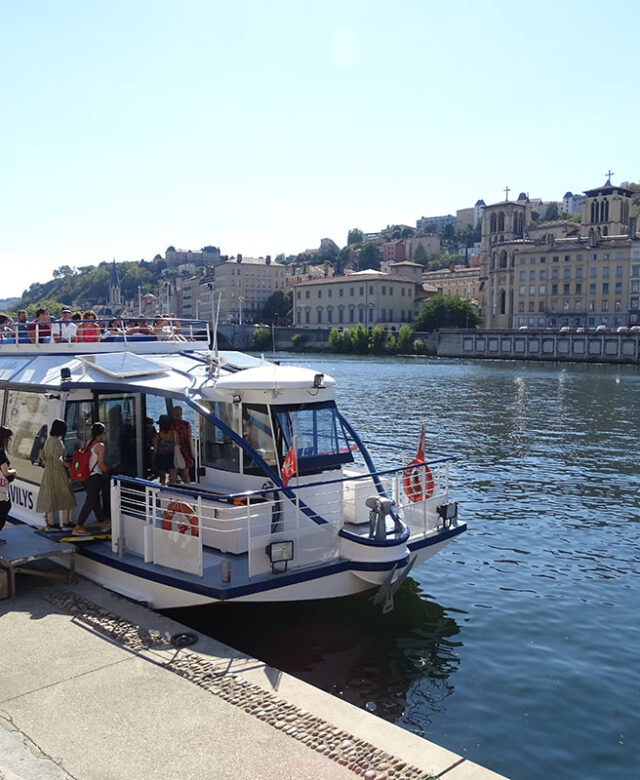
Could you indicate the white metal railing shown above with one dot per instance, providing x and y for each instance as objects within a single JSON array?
[
  {"x": 171, "y": 525},
  {"x": 119, "y": 329}
]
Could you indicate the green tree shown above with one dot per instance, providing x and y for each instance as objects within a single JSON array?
[
  {"x": 551, "y": 212},
  {"x": 359, "y": 340},
  {"x": 391, "y": 344},
  {"x": 55, "y": 307},
  {"x": 446, "y": 311},
  {"x": 370, "y": 257},
  {"x": 420, "y": 255},
  {"x": 336, "y": 340},
  {"x": 377, "y": 339},
  {"x": 355, "y": 236},
  {"x": 277, "y": 308},
  {"x": 261, "y": 339},
  {"x": 405, "y": 340},
  {"x": 297, "y": 341},
  {"x": 449, "y": 232}
]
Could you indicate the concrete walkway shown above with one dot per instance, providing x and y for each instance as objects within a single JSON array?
[{"x": 91, "y": 687}]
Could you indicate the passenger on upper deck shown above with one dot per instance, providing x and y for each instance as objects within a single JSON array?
[
  {"x": 161, "y": 329},
  {"x": 139, "y": 328},
  {"x": 175, "y": 328},
  {"x": 21, "y": 327},
  {"x": 7, "y": 331},
  {"x": 64, "y": 329},
  {"x": 39, "y": 331},
  {"x": 89, "y": 329},
  {"x": 114, "y": 331}
]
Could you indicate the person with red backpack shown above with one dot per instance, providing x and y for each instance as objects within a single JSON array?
[{"x": 94, "y": 482}]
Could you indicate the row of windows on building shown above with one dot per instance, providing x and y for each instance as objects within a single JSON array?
[
  {"x": 566, "y": 289},
  {"x": 350, "y": 315},
  {"x": 579, "y": 257},
  {"x": 578, "y": 273},
  {"x": 531, "y": 259},
  {"x": 577, "y": 306},
  {"x": 329, "y": 291}
]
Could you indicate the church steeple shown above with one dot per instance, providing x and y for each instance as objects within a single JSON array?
[
  {"x": 606, "y": 210},
  {"x": 114, "y": 287}
]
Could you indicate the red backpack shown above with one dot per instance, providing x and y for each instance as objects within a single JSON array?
[{"x": 79, "y": 470}]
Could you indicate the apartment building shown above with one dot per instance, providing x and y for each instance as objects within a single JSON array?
[
  {"x": 243, "y": 286},
  {"x": 561, "y": 273},
  {"x": 393, "y": 251},
  {"x": 457, "y": 280},
  {"x": 367, "y": 297}
]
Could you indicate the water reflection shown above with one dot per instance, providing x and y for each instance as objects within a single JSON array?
[{"x": 398, "y": 665}]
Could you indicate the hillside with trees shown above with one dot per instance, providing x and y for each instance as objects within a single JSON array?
[{"x": 89, "y": 285}]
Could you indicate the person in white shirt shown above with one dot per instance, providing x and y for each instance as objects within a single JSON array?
[{"x": 64, "y": 329}]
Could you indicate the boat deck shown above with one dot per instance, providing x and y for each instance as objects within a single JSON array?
[{"x": 211, "y": 583}]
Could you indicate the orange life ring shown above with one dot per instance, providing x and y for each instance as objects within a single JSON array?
[
  {"x": 413, "y": 487},
  {"x": 189, "y": 521}
]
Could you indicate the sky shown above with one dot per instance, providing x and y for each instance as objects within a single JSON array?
[{"x": 263, "y": 126}]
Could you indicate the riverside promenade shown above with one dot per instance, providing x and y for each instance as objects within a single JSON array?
[{"x": 91, "y": 687}]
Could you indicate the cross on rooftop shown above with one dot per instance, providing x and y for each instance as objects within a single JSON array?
[
  {"x": 609, "y": 174},
  {"x": 507, "y": 190}
]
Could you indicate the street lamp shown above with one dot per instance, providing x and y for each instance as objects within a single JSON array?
[{"x": 240, "y": 301}]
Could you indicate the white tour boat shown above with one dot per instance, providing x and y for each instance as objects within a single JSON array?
[{"x": 333, "y": 525}]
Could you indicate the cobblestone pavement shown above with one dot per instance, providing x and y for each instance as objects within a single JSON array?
[{"x": 358, "y": 755}]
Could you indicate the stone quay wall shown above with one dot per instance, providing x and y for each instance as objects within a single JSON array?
[{"x": 589, "y": 347}]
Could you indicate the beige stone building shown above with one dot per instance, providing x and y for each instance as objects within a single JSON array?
[
  {"x": 562, "y": 273},
  {"x": 406, "y": 270},
  {"x": 367, "y": 297},
  {"x": 465, "y": 217},
  {"x": 458, "y": 280},
  {"x": 243, "y": 285},
  {"x": 431, "y": 245}
]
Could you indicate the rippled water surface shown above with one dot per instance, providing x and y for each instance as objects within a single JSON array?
[{"x": 518, "y": 646}]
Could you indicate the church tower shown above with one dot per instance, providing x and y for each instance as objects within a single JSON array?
[
  {"x": 504, "y": 227},
  {"x": 115, "y": 298},
  {"x": 606, "y": 211}
]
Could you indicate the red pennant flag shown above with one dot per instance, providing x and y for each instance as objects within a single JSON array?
[
  {"x": 289, "y": 467},
  {"x": 421, "y": 445}
]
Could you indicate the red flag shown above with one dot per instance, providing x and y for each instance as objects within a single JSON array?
[
  {"x": 289, "y": 467},
  {"x": 421, "y": 445}
]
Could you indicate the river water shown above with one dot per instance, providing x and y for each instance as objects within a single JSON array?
[{"x": 518, "y": 646}]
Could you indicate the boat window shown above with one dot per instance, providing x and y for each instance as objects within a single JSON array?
[
  {"x": 321, "y": 440},
  {"x": 257, "y": 432},
  {"x": 79, "y": 419},
  {"x": 27, "y": 414},
  {"x": 217, "y": 449},
  {"x": 119, "y": 415}
]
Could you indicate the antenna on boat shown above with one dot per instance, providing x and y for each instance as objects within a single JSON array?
[{"x": 216, "y": 317}]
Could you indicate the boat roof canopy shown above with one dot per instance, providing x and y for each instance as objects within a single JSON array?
[{"x": 221, "y": 377}]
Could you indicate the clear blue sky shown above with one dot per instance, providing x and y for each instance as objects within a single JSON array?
[{"x": 262, "y": 127}]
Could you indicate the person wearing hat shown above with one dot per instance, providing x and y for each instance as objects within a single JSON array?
[
  {"x": 164, "y": 446},
  {"x": 64, "y": 329}
]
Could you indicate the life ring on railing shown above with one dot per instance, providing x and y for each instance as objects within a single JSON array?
[
  {"x": 186, "y": 520},
  {"x": 414, "y": 489}
]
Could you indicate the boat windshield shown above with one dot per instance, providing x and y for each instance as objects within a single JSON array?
[{"x": 321, "y": 440}]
